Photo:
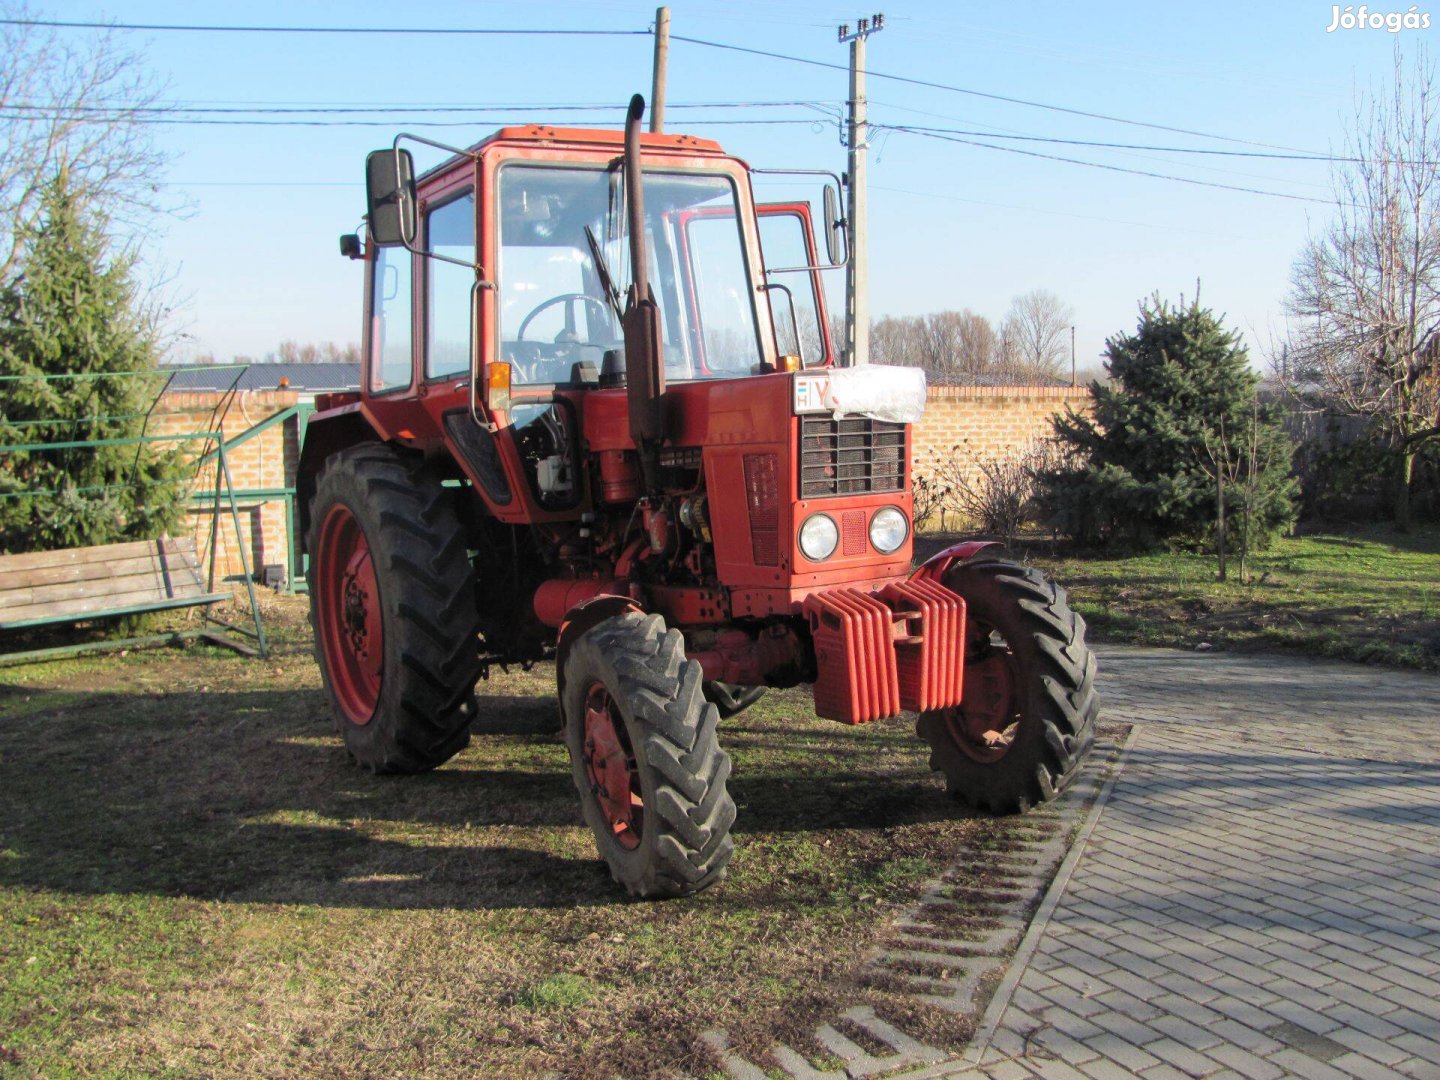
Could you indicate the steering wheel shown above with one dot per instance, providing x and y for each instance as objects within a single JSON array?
[{"x": 568, "y": 336}]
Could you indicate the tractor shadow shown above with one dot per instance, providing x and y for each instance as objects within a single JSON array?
[{"x": 248, "y": 796}]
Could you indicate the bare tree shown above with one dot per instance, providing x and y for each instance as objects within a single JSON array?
[
  {"x": 81, "y": 107},
  {"x": 1365, "y": 293},
  {"x": 327, "y": 352},
  {"x": 1035, "y": 333}
]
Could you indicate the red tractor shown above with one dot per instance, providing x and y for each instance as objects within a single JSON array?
[{"x": 594, "y": 426}]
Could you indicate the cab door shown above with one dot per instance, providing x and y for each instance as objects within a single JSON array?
[{"x": 787, "y": 242}]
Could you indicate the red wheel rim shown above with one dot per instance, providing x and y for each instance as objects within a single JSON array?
[
  {"x": 348, "y": 603},
  {"x": 610, "y": 767},
  {"x": 985, "y": 723}
]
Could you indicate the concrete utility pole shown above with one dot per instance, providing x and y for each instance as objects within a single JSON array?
[
  {"x": 1072, "y": 356},
  {"x": 662, "y": 58},
  {"x": 857, "y": 279}
]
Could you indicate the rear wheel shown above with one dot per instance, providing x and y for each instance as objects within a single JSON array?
[
  {"x": 1027, "y": 716},
  {"x": 646, "y": 758},
  {"x": 393, "y": 610}
]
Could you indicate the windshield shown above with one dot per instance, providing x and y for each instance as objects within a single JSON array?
[{"x": 562, "y": 235}]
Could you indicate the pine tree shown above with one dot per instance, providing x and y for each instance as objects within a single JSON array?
[
  {"x": 74, "y": 309},
  {"x": 1181, "y": 384}
]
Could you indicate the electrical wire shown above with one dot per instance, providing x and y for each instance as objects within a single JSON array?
[
  {"x": 555, "y": 32},
  {"x": 1324, "y": 158},
  {"x": 1117, "y": 168},
  {"x": 984, "y": 94},
  {"x": 181, "y": 108},
  {"x": 59, "y": 24}
]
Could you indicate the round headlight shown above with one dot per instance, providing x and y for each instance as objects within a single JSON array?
[
  {"x": 888, "y": 530},
  {"x": 819, "y": 537}
]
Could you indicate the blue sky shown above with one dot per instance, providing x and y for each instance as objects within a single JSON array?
[{"x": 952, "y": 226}]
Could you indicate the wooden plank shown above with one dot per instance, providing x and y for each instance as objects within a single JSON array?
[
  {"x": 136, "y": 609},
  {"x": 87, "y": 571},
  {"x": 92, "y": 607},
  {"x": 98, "y": 553},
  {"x": 159, "y": 581}
]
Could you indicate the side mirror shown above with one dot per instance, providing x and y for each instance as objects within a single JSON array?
[
  {"x": 837, "y": 248},
  {"x": 390, "y": 193}
]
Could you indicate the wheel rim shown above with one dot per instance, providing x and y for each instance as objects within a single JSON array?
[
  {"x": 985, "y": 723},
  {"x": 611, "y": 768},
  {"x": 351, "y": 628}
]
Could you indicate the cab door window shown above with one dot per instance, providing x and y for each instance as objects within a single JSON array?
[
  {"x": 391, "y": 326},
  {"x": 450, "y": 231},
  {"x": 783, "y": 240}
]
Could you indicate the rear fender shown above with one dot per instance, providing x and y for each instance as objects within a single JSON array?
[{"x": 327, "y": 433}]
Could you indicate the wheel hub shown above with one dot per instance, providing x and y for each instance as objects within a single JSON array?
[
  {"x": 984, "y": 724},
  {"x": 611, "y": 768}
]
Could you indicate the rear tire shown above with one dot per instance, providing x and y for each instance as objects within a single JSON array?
[
  {"x": 393, "y": 610},
  {"x": 646, "y": 758},
  {"x": 1029, "y": 707}
]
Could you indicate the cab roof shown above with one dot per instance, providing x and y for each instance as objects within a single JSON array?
[{"x": 548, "y": 135}]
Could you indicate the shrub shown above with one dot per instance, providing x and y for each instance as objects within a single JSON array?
[{"x": 1138, "y": 474}]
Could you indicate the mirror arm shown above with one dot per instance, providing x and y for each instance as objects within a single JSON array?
[{"x": 794, "y": 320}]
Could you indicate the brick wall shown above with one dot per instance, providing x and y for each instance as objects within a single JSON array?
[
  {"x": 988, "y": 422},
  {"x": 265, "y": 461}
]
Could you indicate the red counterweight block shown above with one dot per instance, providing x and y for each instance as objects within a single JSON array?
[
  {"x": 856, "y": 679},
  {"x": 930, "y": 652}
]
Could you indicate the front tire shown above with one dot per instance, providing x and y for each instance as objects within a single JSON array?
[
  {"x": 1027, "y": 717},
  {"x": 393, "y": 610},
  {"x": 646, "y": 759}
]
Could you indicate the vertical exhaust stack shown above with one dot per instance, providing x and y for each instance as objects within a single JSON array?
[{"x": 644, "y": 361}]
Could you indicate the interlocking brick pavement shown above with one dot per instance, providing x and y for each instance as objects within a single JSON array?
[{"x": 1258, "y": 898}]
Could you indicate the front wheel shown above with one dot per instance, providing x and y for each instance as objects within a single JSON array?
[
  {"x": 1028, "y": 706},
  {"x": 646, "y": 758}
]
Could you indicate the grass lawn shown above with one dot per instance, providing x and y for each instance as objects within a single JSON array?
[
  {"x": 194, "y": 880},
  {"x": 1370, "y": 595}
]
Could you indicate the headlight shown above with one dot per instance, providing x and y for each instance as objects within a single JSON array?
[
  {"x": 818, "y": 537},
  {"x": 888, "y": 530}
]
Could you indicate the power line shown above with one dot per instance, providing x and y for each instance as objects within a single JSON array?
[
  {"x": 57, "y": 24},
  {"x": 1115, "y": 168},
  {"x": 174, "y": 108},
  {"x": 1167, "y": 227},
  {"x": 984, "y": 94},
  {"x": 913, "y": 129},
  {"x": 994, "y": 131},
  {"x": 206, "y": 122}
]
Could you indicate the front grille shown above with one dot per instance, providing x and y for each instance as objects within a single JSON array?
[{"x": 850, "y": 457}]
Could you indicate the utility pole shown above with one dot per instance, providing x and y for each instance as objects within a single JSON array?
[
  {"x": 857, "y": 279},
  {"x": 1072, "y": 356},
  {"x": 662, "y": 57}
]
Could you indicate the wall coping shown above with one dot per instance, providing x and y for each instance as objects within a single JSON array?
[{"x": 1041, "y": 393}]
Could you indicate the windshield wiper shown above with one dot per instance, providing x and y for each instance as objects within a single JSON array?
[{"x": 612, "y": 294}]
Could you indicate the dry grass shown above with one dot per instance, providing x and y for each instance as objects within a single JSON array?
[{"x": 194, "y": 880}]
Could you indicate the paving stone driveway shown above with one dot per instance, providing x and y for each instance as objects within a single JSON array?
[{"x": 1260, "y": 897}]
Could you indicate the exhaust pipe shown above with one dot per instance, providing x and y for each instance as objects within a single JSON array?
[{"x": 644, "y": 359}]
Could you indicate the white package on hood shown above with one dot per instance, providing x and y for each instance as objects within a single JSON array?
[{"x": 894, "y": 394}]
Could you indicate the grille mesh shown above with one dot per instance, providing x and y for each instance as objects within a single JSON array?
[
  {"x": 762, "y": 499},
  {"x": 850, "y": 457}
]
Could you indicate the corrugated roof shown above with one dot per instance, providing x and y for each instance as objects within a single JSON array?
[
  {"x": 304, "y": 378},
  {"x": 990, "y": 378}
]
